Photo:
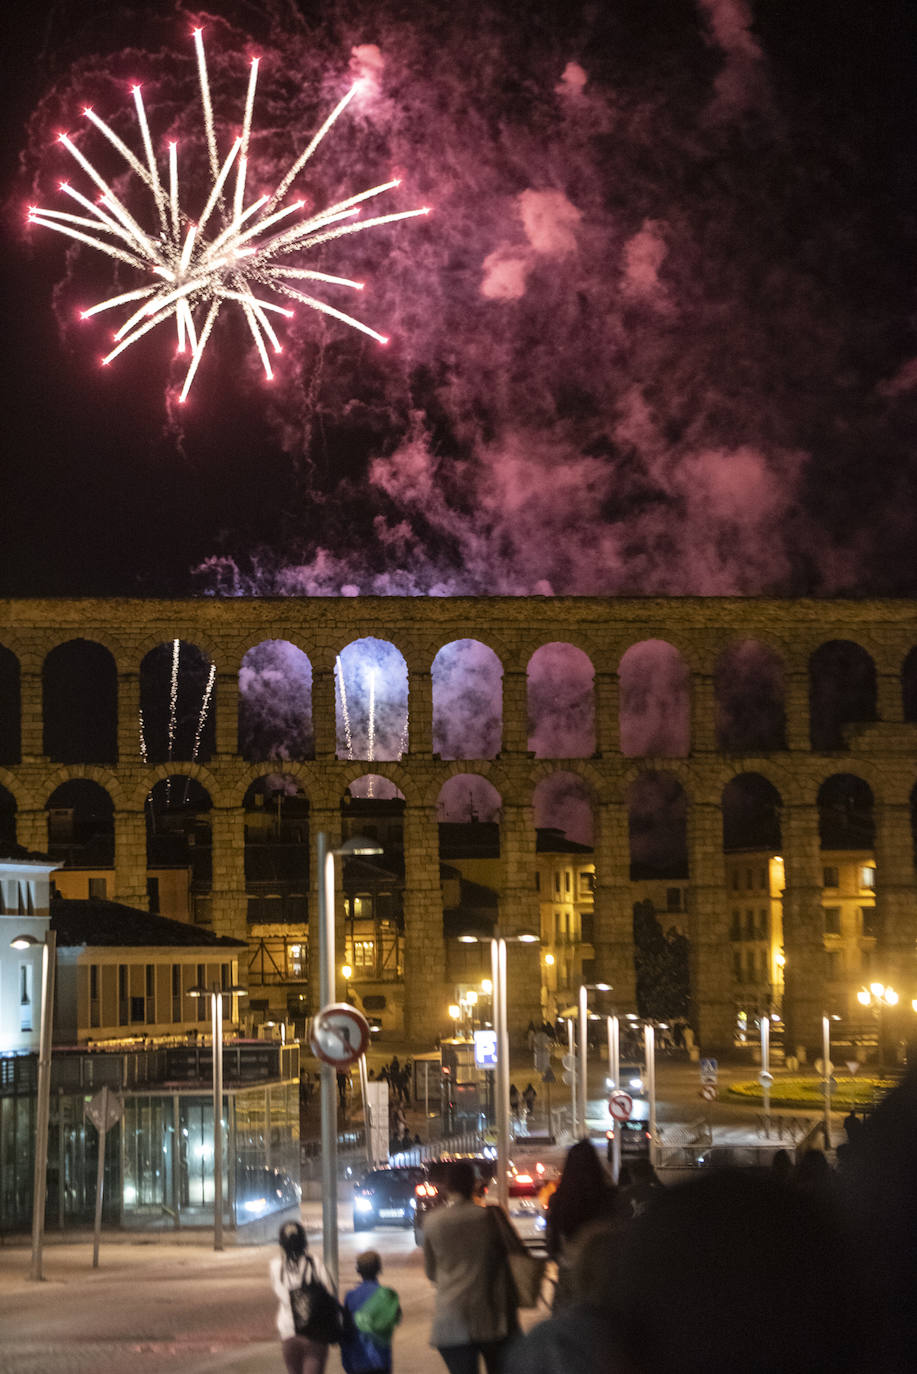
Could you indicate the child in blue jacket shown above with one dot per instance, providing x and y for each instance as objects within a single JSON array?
[{"x": 369, "y": 1351}]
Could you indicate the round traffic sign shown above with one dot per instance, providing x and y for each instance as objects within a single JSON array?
[
  {"x": 708, "y": 1092},
  {"x": 620, "y": 1104},
  {"x": 339, "y": 1035},
  {"x": 765, "y": 1078}
]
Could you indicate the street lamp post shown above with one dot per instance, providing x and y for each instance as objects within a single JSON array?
[
  {"x": 357, "y": 845},
  {"x": 498, "y": 945},
  {"x": 43, "y": 1104},
  {"x": 878, "y": 996},
  {"x": 216, "y": 993},
  {"x": 826, "y": 1072},
  {"x": 580, "y": 1127}
]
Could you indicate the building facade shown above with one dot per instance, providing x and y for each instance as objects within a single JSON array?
[{"x": 805, "y": 710}]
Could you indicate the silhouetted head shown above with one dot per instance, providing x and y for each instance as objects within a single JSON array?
[
  {"x": 369, "y": 1264},
  {"x": 293, "y": 1241},
  {"x": 734, "y": 1271},
  {"x": 460, "y": 1178}
]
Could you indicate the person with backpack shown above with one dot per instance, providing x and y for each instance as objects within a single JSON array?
[
  {"x": 371, "y": 1313},
  {"x": 308, "y": 1313}
]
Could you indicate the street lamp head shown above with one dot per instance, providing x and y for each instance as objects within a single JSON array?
[
  {"x": 864, "y": 997},
  {"x": 359, "y": 845},
  {"x": 877, "y": 989},
  {"x": 24, "y": 942},
  {"x": 199, "y": 991},
  {"x": 487, "y": 986},
  {"x": 602, "y": 987},
  {"x": 891, "y": 997},
  {"x": 346, "y": 972},
  {"x": 455, "y": 1011},
  {"x": 468, "y": 939},
  {"x": 527, "y": 937}
]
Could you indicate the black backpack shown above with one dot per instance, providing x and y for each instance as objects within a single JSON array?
[{"x": 316, "y": 1311}]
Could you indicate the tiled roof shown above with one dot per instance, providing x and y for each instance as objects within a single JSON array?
[{"x": 110, "y": 924}]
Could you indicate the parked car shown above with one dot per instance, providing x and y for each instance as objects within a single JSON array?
[{"x": 386, "y": 1197}]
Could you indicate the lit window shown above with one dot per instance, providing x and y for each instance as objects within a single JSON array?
[{"x": 868, "y": 877}]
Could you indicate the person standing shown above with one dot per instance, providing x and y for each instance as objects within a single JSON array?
[
  {"x": 465, "y": 1256},
  {"x": 300, "y": 1354},
  {"x": 369, "y": 1351},
  {"x": 528, "y": 1098},
  {"x": 585, "y": 1196}
]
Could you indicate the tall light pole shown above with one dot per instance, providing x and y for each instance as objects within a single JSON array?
[
  {"x": 826, "y": 1072},
  {"x": 498, "y": 944},
  {"x": 329, "y": 1103},
  {"x": 43, "y": 1104},
  {"x": 216, "y": 993},
  {"x": 579, "y": 1127}
]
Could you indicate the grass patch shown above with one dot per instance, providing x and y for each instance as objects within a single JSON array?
[{"x": 863, "y": 1091}]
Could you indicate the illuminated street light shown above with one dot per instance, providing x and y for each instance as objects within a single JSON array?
[
  {"x": 216, "y": 993},
  {"x": 358, "y": 845},
  {"x": 879, "y": 996},
  {"x": 498, "y": 945},
  {"x": 43, "y": 1104}
]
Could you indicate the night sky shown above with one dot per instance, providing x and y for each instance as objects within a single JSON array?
[{"x": 658, "y": 336}]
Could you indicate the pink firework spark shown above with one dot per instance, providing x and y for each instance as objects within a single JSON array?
[{"x": 239, "y": 251}]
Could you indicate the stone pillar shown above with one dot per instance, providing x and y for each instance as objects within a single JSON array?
[
  {"x": 128, "y": 718},
  {"x": 130, "y": 859},
  {"x": 703, "y": 714},
  {"x": 889, "y": 698},
  {"x": 896, "y": 901},
  {"x": 420, "y": 713},
  {"x": 426, "y": 995},
  {"x": 515, "y": 712},
  {"x": 613, "y": 920},
  {"x": 708, "y": 925},
  {"x": 797, "y": 709},
  {"x": 226, "y": 704},
  {"x": 326, "y": 819},
  {"x": 805, "y": 972},
  {"x": 607, "y": 714},
  {"x": 324, "y": 724},
  {"x": 228, "y": 883},
  {"x": 520, "y": 910},
  {"x": 32, "y": 736},
  {"x": 32, "y": 829}
]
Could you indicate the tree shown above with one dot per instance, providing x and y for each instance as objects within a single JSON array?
[{"x": 661, "y": 966}]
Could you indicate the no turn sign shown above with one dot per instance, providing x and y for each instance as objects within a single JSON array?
[
  {"x": 339, "y": 1035},
  {"x": 620, "y": 1104}
]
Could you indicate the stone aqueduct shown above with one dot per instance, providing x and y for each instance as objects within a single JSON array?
[{"x": 881, "y": 751}]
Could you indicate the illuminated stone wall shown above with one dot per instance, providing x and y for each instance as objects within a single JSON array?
[{"x": 882, "y": 752}]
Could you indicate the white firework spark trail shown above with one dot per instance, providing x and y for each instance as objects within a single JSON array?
[
  {"x": 198, "y": 734},
  {"x": 173, "y": 710},
  {"x": 345, "y": 714},
  {"x": 195, "y": 273},
  {"x": 371, "y": 728}
]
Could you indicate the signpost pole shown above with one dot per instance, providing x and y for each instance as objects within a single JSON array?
[
  {"x": 614, "y": 1073},
  {"x": 765, "y": 1070},
  {"x": 328, "y": 1076}
]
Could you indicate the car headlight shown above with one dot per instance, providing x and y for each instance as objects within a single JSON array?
[
  {"x": 413, "y": 1204},
  {"x": 637, "y": 1083},
  {"x": 363, "y": 1204}
]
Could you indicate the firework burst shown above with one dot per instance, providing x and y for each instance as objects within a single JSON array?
[{"x": 236, "y": 250}]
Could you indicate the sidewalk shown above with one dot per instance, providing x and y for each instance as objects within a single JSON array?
[{"x": 155, "y": 1305}]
